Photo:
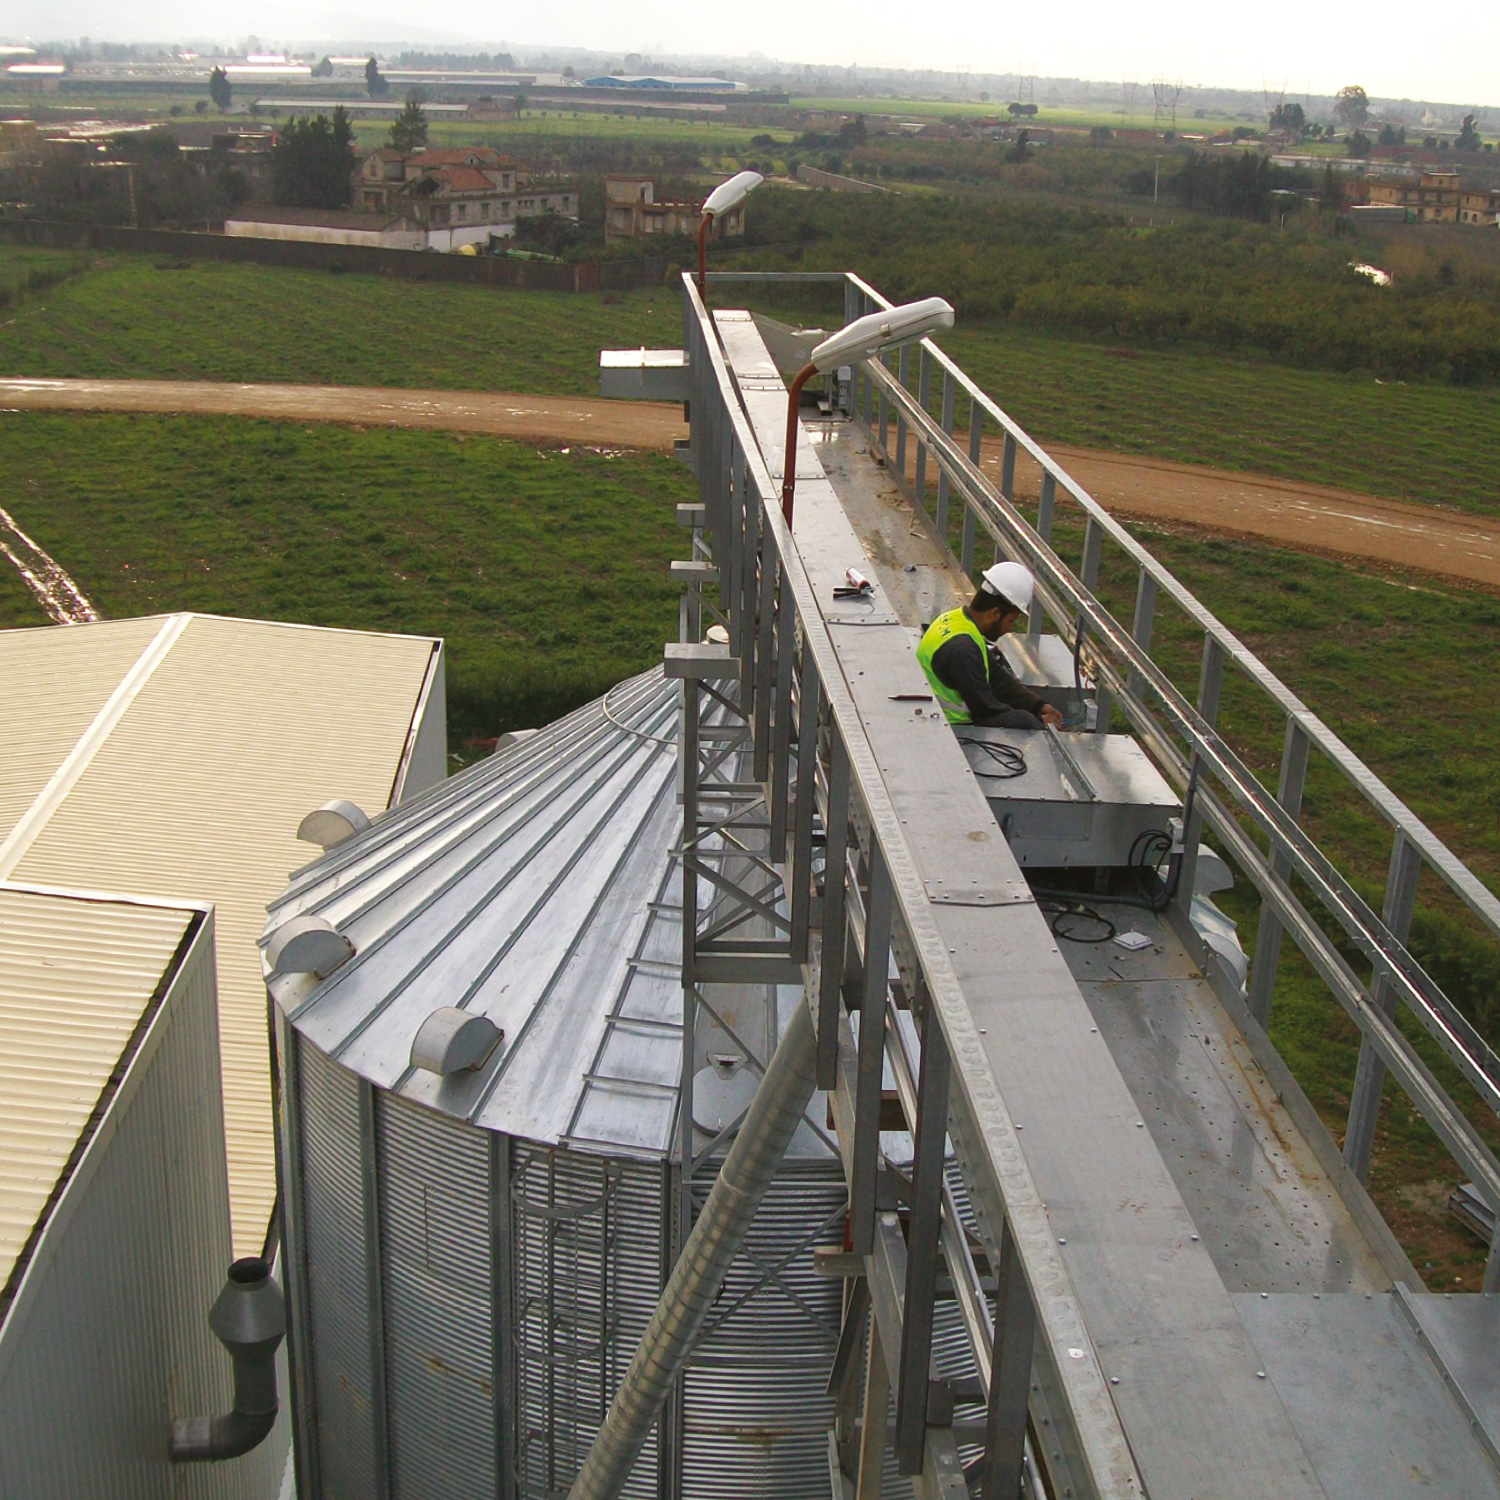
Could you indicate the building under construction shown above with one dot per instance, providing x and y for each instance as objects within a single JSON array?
[{"x": 752, "y": 1084}]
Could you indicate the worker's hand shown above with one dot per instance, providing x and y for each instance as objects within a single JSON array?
[{"x": 1050, "y": 716}]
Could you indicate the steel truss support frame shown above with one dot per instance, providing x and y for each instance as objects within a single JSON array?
[{"x": 830, "y": 900}]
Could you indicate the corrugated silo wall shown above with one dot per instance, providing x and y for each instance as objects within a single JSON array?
[
  {"x": 463, "y": 1305},
  {"x": 108, "y": 1337},
  {"x": 755, "y": 1413}
]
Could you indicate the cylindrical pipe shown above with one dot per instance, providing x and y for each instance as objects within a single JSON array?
[
  {"x": 789, "y": 463},
  {"x": 249, "y": 1319},
  {"x": 699, "y": 1273}
]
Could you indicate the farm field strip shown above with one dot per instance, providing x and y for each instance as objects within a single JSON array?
[{"x": 1450, "y": 543}]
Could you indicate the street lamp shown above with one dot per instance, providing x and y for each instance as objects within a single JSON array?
[
  {"x": 724, "y": 197},
  {"x": 863, "y": 339}
]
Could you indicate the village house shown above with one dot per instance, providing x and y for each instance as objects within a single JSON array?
[
  {"x": 459, "y": 196},
  {"x": 630, "y": 209},
  {"x": 1436, "y": 197}
]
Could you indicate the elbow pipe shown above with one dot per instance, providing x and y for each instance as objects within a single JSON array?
[{"x": 249, "y": 1319}]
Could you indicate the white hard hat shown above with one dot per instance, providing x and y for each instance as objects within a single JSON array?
[{"x": 1012, "y": 582}]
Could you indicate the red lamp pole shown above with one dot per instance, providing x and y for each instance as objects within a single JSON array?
[
  {"x": 703, "y": 256},
  {"x": 789, "y": 468}
]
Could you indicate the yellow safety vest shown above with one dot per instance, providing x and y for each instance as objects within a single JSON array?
[{"x": 943, "y": 629}]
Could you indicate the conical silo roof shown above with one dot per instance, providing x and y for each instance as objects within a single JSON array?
[{"x": 540, "y": 890}]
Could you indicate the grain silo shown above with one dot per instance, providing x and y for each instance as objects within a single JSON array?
[{"x": 478, "y": 1122}]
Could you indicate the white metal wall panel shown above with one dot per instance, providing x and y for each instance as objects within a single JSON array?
[
  {"x": 338, "y": 1268},
  {"x": 437, "y": 1264},
  {"x": 107, "y": 1338},
  {"x": 241, "y": 730}
]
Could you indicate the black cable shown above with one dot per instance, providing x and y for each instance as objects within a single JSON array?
[
  {"x": 1008, "y": 758},
  {"x": 1066, "y": 909}
]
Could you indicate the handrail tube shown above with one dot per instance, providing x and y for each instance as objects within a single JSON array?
[
  {"x": 980, "y": 1117},
  {"x": 1461, "y": 880},
  {"x": 1476, "y": 1059}
]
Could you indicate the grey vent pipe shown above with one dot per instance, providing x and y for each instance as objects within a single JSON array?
[
  {"x": 699, "y": 1273},
  {"x": 249, "y": 1319}
]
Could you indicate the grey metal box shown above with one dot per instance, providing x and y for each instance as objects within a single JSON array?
[
  {"x": 1046, "y": 667},
  {"x": 1082, "y": 800}
]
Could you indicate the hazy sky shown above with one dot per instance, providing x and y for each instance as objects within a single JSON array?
[{"x": 1450, "y": 54}]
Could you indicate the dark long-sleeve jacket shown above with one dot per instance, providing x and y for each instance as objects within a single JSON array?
[{"x": 987, "y": 696}]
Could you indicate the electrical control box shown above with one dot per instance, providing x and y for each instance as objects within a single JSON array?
[{"x": 1063, "y": 799}]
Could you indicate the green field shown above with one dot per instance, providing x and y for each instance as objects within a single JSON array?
[
  {"x": 219, "y": 321},
  {"x": 545, "y": 570},
  {"x": 1115, "y": 116}
]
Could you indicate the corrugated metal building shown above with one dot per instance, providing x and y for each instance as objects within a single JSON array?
[
  {"x": 114, "y": 1204},
  {"x": 174, "y": 757},
  {"x": 472, "y": 1257}
]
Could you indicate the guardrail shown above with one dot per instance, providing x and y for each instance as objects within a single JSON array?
[
  {"x": 813, "y": 757},
  {"x": 1118, "y": 657}
]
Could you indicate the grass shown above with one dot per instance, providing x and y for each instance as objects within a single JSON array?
[
  {"x": 221, "y": 321},
  {"x": 224, "y": 321},
  {"x": 1112, "y": 115},
  {"x": 545, "y": 570}
]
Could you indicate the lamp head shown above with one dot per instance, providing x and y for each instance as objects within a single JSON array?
[
  {"x": 871, "y": 335},
  {"x": 731, "y": 194}
]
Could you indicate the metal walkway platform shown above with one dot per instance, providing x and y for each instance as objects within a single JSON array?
[{"x": 1172, "y": 1280}]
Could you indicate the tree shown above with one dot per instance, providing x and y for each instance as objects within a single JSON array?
[
  {"x": 312, "y": 164},
  {"x": 1359, "y": 143},
  {"x": 375, "y": 86},
  {"x": 1332, "y": 197},
  {"x": 1391, "y": 136},
  {"x": 1021, "y": 151},
  {"x": 219, "y": 89},
  {"x": 324, "y": 69},
  {"x": 200, "y": 107},
  {"x": 409, "y": 128},
  {"x": 1290, "y": 118},
  {"x": 1468, "y": 136},
  {"x": 1101, "y": 135},
  {"x": 1352, "y": 105}
]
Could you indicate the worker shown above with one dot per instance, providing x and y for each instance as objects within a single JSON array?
[{"x": 970, "y": 677}]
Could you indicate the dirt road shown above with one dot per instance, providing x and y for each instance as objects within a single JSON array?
[{"x": 1429, "y": 538}]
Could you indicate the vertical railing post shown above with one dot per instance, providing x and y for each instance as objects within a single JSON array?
[
  {"x": 808, "y": 707},
  {"x": 883, "y": 412},
  {"x": 1046, "y": 505},
  {"x": 901, "y": 419},
  {"x": 1210, "y": 681},
  {"x": 766, "y": 625},
  {"x": 1369, "y": 1073},
  {"x": 836, "y": 852},
  {"x": 924, "y": 385},
  {"x": 779, "y": 779},
  {"x": 1292, "y": 778},
  {"x": 688, "y": 754},
  {"x": 941, "y": 515},
  {"x": 1093, "y": 551},
  {"x": 976, "y": 448},
  {"x": 930, "y": 1135},
  {"x": 1000, "y": 1470},
  {"x": 874, "y": 985},
  {"x": 1140, "y": 627},
  {"x": 1007, "y": 480},
  {"x": 865, "y": 375}
]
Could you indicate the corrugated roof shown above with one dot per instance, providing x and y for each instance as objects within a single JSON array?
[
  {"x": 464, "y": 179},
  {"x": 196, "y": 792},
  {"x": 76, "y": 976},
  {"x": 542, "y": 889}
]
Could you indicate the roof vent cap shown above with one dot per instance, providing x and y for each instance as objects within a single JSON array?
[
  {"x": 451, "y": 1041},
  {"x": 308, "y": 945},
  {"x": 332, "y": 823}
]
